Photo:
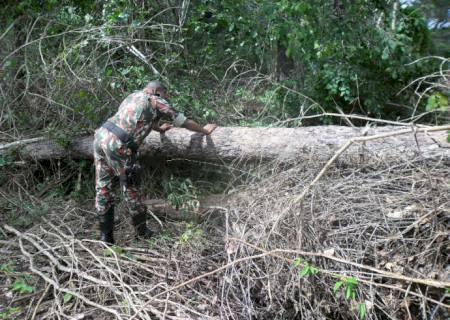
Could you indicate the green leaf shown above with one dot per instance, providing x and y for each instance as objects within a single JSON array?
[
  {"x": 109, "y": 252},
  {"x": 305, "y": 271},
  {"x": 337, "y": 286},
  {"x": 362, "y": 311},
  {"x": 20, "y": 285},
  {"x": 7, "y": 267},
  {"x": 67, "y": 297},
  {"x": 82, "y": 93},
  {"x": 431, "y": 103},
  {"x": 351, "y": 281},
  {"x": 314, "y": 270},
  {"x": 8, "y": 313},
  {"x": 348, "y": 292},
  {"x": 437, "y": 100},
  {"x": 288, "y": 52},
  {"x": 301, "y": 7},
  {"x": 297, "y": 262},
  {"x": 385, "y": 54}
]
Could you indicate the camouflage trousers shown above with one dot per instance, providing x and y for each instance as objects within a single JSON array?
[{"x": 110, "y": 159}]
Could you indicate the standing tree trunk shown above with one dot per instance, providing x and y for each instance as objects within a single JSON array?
[{"x": 285, "y": 64}]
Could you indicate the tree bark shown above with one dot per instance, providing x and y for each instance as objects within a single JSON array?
[
  {"x": 285, "y": 65},
  {"x": 247, "y": 144}
]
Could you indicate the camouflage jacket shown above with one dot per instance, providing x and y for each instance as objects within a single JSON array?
[{"x": 139, "y": 112}]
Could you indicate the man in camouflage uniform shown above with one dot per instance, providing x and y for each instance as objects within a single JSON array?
[{"x": 115, "y": 153}]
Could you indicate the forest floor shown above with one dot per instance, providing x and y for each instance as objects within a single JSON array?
[{"x": 370, "y": 240}]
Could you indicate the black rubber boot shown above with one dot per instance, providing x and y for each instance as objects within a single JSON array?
[
  {"x": 140, "y": 226},
  {"x": 106, "y": 224}
]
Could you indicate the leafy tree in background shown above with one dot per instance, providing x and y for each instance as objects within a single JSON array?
[
  {"x": 67, "y": 64},
  {"x": 438, "y": 14},
  {"x": 353, "y": 54}
]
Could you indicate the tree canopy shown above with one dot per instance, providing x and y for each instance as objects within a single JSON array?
[{"x": 69, "y": 63}]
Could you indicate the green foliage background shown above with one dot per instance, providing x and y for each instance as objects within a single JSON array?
[{"x": 66, "y": 65}]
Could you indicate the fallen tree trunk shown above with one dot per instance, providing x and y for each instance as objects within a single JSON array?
[{"x": 241, "y": 143}]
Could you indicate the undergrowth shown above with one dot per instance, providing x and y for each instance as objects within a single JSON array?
[{"x": 29, "y": 193}]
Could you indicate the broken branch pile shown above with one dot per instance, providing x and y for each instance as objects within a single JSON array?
[{"x": 368, "y": 238}]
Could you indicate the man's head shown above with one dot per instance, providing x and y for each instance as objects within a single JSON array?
[{"x": 156, "y": 87}]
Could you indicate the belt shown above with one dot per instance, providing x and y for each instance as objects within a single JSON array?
[{"x": 122, "y": 135}]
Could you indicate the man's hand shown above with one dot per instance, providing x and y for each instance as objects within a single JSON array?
[
  {"x": 164, "y": 127},
  {"x": 209, "y": 128}
]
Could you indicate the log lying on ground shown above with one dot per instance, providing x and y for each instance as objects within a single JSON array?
[{"x": 241, "y": 143}]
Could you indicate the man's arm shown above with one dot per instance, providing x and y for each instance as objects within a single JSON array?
[
  {"x": 194, "y": 126},
  {"x": 179, "y": 119}
]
